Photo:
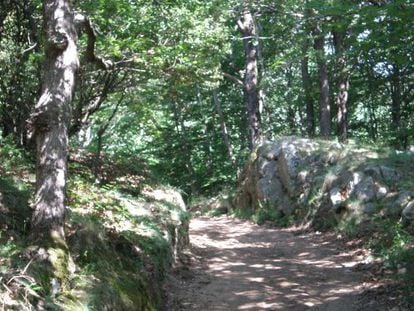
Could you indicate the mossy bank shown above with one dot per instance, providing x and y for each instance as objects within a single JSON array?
[{"x": 122, "y": 239}]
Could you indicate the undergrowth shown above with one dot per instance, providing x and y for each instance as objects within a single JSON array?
[{"x": 121, "y": 241}]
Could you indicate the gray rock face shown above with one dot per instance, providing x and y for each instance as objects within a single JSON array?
[
  {"x": 390, "y": 175},
  {"x": 287, "y": 164},
  {"x": 167, "y": 195},
  {"x": 268, "y": 190},
  {"x": 365, "y": 190},
  {"x": 403, "y": 199},
  {"x": 369, "y": 208},
  {"x": 373, "y": 171},
  {"x": 381, "y": 191},
  {"x": 273, "y": 177},
  {"x": 336, "y": 198},
  {"x": 408, "y": 212},
  {"x": 354, "y": 180}
]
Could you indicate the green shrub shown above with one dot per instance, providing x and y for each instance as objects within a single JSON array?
[
  {"x": 11, "y": 157},
  {"x": 393, "y": 243},
  {"x": 266, "y": 213}
]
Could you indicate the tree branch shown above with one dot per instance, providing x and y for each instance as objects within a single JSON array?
[
  {"x": 234, "y": 79},
  {"x": 84, "y": 24},
  {"x": 240, "y": 25}
]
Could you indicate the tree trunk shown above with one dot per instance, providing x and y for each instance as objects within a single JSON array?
[
  {"x": 291, "y": 112},
  {"x": 396, "y": 107},
  {"x": 248, "y": 30},
  {"x": 97, "y": 162},
  {"x": 50, "y": 121},
  {"x": 223, "y": 126},
  {"x": 185, "y": 146},
  {"x": 342, "y": 84},
  {"x": 307, "y": 89},
  {"x": 325, "y": 110}
]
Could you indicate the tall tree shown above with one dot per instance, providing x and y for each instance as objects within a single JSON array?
[
  {"x": 325, "y": 109},
  {"x": 306, "y": 78},
  {"x": 342, "y": 83},
  {"x": 248, "y": 29},
  {"x": 223, "y": 127},
  {"x": 50, "y": 122},
  {"x": 396, "y": 91},
  {"x": 307, "y": 89}
]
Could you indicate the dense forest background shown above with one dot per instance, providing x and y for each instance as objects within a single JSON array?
[{"x": 185, "y": 88}]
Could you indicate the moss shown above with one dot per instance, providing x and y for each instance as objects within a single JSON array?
[
  {"x": 59, "y": 259},
  {"x": 51, "y": 264}
]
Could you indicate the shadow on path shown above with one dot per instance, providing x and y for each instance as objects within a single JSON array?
[{"x": 241, "y": 266}]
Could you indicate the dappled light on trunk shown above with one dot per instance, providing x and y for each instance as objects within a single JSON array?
[{"x": 50, "y": 121}]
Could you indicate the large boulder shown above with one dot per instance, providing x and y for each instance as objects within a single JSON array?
[
  {"x": 271, "y": 177},
  {"x": 294, "y": 175},
  {"x": 365, "y": 191}
]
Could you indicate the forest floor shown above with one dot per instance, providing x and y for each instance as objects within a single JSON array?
[{"x": 237, "y": 265}]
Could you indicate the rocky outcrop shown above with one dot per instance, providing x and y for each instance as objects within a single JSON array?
[{"x": 317, "y": 180}]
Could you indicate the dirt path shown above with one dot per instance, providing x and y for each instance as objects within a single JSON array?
[{"x": 241, "y": 266}]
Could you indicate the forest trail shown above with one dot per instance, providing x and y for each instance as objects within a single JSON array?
[{"x": 237, "y": 265}]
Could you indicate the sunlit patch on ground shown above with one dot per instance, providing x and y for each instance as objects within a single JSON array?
[{"x": 248, "y": 267}]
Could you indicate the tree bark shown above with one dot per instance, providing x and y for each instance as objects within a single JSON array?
[
  {"x": 50, "y": 121},
  {"x": 248, "y": 30},
  {"x": 372, "y": 127},
  {"x": 325, "y": 110},
  {"x": 342, "y": 85}
]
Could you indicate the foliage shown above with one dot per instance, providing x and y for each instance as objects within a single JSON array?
[
  {"x": 392, "y": 242},
  {"x": 152, "y": 116},
  {"x": 170, "y": 57},
  {"x": 12, "y": 157}
]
